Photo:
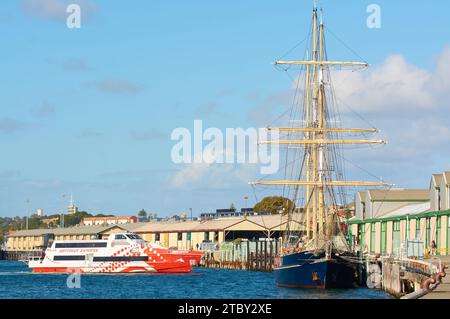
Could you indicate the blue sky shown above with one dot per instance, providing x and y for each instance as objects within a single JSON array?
[{"x": 89, "y": 111}]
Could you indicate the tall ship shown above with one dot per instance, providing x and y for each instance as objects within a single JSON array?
[
  {"x": 120, "y": 253},
  {"x": 316, "y": 254}
]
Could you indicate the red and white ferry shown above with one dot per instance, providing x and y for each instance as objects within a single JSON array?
[{"x": 121, "y": 253}]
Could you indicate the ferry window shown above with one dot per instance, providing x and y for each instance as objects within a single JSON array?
[
  {"x": 180, "y": 236},
  {"x": 157, "y": 237},
  {"x": 133, "y": 236},
  {"x": 120, "y": 237}
]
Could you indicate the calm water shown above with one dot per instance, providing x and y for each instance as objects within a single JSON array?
[{"x": 16, "y": 281}]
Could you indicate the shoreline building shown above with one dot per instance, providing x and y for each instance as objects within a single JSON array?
[
  {"x": 228, "y": 213},
  {"x": 108, "y": 221},
  {"x": 72, "y": 209},
  {"x": 182, "y": 235},
  {"x": 403, "y": 222}
]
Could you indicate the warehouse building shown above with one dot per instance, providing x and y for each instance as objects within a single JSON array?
[
  {"x": 182, "y": 235},
  {"x": 190, "y": 235},
  {"x": 391, "y": 222}
]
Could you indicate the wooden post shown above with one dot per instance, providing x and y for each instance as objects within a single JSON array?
[
  {"x": 276, "y": 247},
  {"x": 271, "y": 256},
  {"x": 248, "y": 255},
  {"x": 260, "y": 255},
  {"x": 256, "y": 255},
  {"x": 265, "y": 255}
]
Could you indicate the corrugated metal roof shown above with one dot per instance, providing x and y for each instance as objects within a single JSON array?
[
  {"x": 31, "y": 232},
  {"x": 81, "y": 230},
  {"x": 412, "y": 209},
  {"x": 399, "y": 195},
  {"x": 77, "y": 230},
  {"x": 132, "y": 226},
  {"x": 264, "y": 221}
]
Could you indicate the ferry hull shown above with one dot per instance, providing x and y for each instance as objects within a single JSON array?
[
  {"x": 304, "y": 270},
  {"x": 112, "y": 270}
]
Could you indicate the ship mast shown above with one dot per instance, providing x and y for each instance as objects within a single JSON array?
[{"x": 318, "y": 181}]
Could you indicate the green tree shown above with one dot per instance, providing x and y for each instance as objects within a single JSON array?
[
  {"x": 274, "y": 205},
  {"x": 142, "y": 215},
  {"x": 75, "y": 219}
]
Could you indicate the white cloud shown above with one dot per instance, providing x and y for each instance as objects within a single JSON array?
[
  {"x": 211, "y": 174},
  {"x": 409, "y": 104},
  {"x": 395, "y": 86}
]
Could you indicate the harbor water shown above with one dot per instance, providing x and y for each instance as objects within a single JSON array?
[{"x": 17, "y": 282}]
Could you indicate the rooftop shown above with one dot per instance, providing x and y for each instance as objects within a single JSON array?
[
  {"x": 399, "y": 195},
  {"x": 447, "y": 177},
  {"x": 411, "y": 209},
  {"x": 262, "y": 222},
  {"x": 437, "y": 178}
]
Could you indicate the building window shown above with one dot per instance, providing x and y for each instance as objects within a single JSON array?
[
  {"x": 396, "y": 238},
  {"x": 438, "y": 233},
  {"x": 372, "y": 238},
  {"x": 157, "y": 237},
  {"x": 188, "y": 236},
  {"x": 383, "y": 238},
  {"x": 180, "y": 236},
  {"x": 206, "y": 236},
  {"x": 439, "y": 200},
  {"x": 417, "y": 229},
  {"x": 216, "y": 236},
  {"x": 363, "y": 236}
]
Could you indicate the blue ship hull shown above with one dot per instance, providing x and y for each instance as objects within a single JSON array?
[{"x": 305, "y": 270}]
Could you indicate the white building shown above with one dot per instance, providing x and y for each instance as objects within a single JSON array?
[
  {"x": 40, "y": 212},
  {"x": 108, "y": 221},
  {"x": 444, "y": 191}
]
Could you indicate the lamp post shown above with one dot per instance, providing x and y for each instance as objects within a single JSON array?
[
  {"x": 62, "y": 214},
  {"x": 246, "y": 211},
  {"x": 28, "y": 211}
]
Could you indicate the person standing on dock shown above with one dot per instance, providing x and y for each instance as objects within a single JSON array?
[{"x": 433, "y": 248}]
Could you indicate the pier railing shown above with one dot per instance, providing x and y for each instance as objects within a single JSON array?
[
  {"x": 244, "y": 255},
  {"x": 23, "y": 255}
]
